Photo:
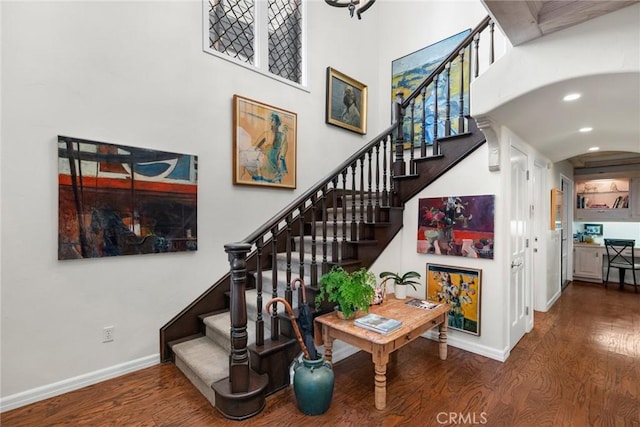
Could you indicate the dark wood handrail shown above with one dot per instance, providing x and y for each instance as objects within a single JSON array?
[
  {"x": 454, "y": 53},
  {"x": 277, "y": 218}
]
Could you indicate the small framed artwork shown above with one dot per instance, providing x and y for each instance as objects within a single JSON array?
[
  {"x": 593, "y": 229},
  {"x": 460, "y": 288},
  {"x": 264, "y": 144},
  {"x": 346, "y": 102},
  {"x": 556, "y": 209}
]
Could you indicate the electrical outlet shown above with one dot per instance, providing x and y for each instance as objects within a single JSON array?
[{"x": 108, "y": 334}]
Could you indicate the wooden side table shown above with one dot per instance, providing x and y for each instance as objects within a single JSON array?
[{"x": 415, "y": 322}]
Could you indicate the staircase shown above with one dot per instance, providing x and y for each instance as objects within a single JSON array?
[{"x": 223, "y": 342}]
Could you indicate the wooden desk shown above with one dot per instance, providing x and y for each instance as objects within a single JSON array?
[{"x": 415, "y": 321}]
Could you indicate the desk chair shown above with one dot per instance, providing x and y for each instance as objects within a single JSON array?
[{"x": 621, "y": 256}]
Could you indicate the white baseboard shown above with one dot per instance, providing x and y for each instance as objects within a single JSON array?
[
  {"x": 453, "y": 341},
  {"x": 44, "y": 392},
  {"x": 553, "y": 300}
]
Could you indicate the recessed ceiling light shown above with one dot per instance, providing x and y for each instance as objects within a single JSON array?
[
  {"x": 572, "y": 97},
  {"x": 594, "y": 148},
  {"x": 587, "y": 129}
]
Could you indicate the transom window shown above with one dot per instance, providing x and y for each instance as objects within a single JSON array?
[{"x": 266, "y": 35}]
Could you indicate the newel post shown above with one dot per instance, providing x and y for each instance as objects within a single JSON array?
[
  {"x": 239, "y": 358},
  {"x": 242, "y": 394},
  {"x": 399, "y": 167}
]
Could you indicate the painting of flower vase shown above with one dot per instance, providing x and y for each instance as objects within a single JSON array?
[
  {"x": 460, "y": 288},
  {"x": 457, "y": 226}
]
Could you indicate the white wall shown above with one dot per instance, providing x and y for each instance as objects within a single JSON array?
[
  {"x": 134, "y": 73},
  {"x": 402, "y": 254}
]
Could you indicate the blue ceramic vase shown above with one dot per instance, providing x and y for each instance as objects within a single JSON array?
[{"x": 313, "y": 386}]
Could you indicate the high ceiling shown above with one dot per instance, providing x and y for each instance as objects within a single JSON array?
[
  {"x": 615, "y": 115},
  {"x": 524, "y": 20}
]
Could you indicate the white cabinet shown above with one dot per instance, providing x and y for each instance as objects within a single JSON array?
[
  {"x": 605, "y": 199},
  {"x": 587, "y": 262}
]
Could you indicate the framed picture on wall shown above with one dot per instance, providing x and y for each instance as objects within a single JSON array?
[
  {"x": 409, "y": 71},
  {"x": 118, "y": 199},
  {"x": 556, "y": 209},
  {"x": 264, "y": 144},
  {"x": 460, "y": 288},
  {"x": 346, "y": 102}
]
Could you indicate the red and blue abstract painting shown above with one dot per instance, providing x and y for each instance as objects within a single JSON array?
[{"x": 120, "y": 200}]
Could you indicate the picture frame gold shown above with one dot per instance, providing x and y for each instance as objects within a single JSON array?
[
  {"x": 346, "y": 102},
  {"x": 264, "y": 144},
  {"x": 556, "y": 209}
]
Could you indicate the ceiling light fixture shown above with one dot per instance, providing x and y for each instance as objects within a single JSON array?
[
  {"x": 572, "y": 97},
  {"x": 357, "y": 6},
  {"x": 594, "y": 148},
  {"x": 587, "y": 129}
]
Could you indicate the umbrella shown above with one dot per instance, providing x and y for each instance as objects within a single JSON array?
[
  {"x": 289, "y": 310},
  {"x": 305, "y": 320}
]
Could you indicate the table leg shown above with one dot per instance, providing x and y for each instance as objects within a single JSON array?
[
  {"x": 443, "y": 337},
  {"x": 380, "y": 360},
  {"x": 328, "y": 344}
]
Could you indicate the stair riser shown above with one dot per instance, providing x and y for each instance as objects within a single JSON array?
[
  {"x": 295, "y": 266},
  {"x": 267, "y": 287},
  {"x": 204, "y": 389},
  {"x": 342, "y": 229},
  {"x": 308, "y": 245}
]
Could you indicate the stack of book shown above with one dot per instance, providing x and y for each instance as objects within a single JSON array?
[
  {"x": 374, "y": 322},
  {"x": 424, "y": 304}
]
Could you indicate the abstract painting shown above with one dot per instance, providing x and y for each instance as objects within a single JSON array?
[
  {"x": 409, "y": 71},
  {"x": 120, "y": 200},
  {"x": 460, "y": 288},
  {"x": 457, "y": 225},
  {"x": 264, "y": 144}
]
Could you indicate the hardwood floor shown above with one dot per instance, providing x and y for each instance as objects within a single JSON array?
[{"x": 580, "y": 366}]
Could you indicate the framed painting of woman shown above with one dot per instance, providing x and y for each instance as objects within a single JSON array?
[
  {"x": 346, "y": 102},
  {"x": 264, "y": 144}
]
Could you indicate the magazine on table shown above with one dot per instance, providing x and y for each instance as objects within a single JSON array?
[
  {"x": 424, "y": 304},
  {"x": 377, "y": 323}
]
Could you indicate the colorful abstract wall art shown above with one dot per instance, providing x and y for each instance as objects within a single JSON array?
[
  {"x": 119, "y": 200},
  {"x": 409, "y": 71},
  {"x": 457, "y": 225}
]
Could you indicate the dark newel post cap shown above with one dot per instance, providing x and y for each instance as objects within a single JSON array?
[{"x": 240, "y": 247}]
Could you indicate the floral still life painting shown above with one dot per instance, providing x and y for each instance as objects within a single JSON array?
[
  {"x": 457, "y": 225},
  {"x": 460, "y": 288}
]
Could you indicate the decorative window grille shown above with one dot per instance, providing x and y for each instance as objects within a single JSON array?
[{"x": 236, "y": 31}]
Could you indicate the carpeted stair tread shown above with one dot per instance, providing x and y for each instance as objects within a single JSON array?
[
  {"x": 206, "y": 359},
  {"x": 203, "y": 362}
]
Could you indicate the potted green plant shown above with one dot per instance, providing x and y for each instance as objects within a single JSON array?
[
  {"x": 351, "y": 292},
  {"x": 401, "y": 282}
]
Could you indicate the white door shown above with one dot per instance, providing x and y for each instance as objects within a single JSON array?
[
  {"x": 567, "y": 229},
  {"x": 519, "y": 214}
]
